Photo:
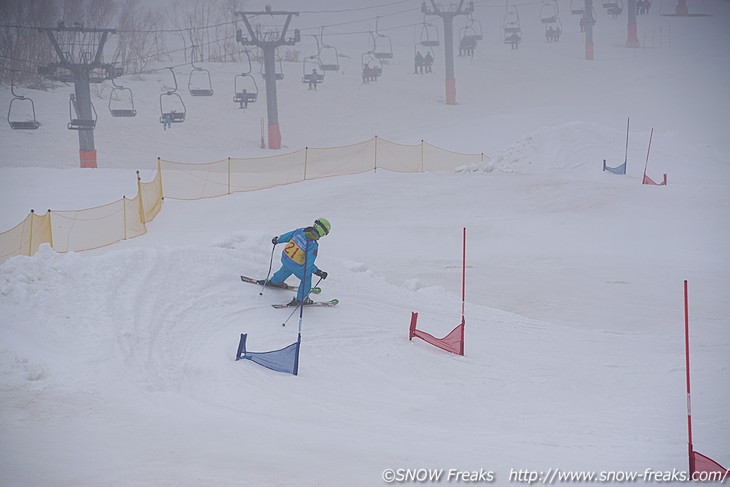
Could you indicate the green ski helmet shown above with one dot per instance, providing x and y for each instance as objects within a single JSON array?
[{"x": 322, "y": 226}]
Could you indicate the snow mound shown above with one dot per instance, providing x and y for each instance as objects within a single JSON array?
[
  {"x": 356, "y": 267},
  {"x": 577, "y": 146}
]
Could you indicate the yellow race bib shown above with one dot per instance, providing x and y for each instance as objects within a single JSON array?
[{"x": 295, "y": 253}]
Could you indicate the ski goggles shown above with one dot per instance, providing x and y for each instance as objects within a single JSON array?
[{"x": 320, "y": 228}]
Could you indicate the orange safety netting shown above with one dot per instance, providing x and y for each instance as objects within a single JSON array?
[{"x": 90, "y": 228}]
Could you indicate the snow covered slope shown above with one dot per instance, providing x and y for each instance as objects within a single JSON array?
[{"x": 117, "y": 366}]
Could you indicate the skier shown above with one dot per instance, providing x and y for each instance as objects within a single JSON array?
[
  {"x": 301, "y": 247},
  {"x": 428, "y": 61},
  {"x": 313, "y": 80},
  {"x": 418, "y": 63}
]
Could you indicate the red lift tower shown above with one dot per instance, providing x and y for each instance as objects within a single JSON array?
[
  {"x": 268, "y": 42},
  {"x": 447, "y": 15},
  {"x": 79, "y": 51}
]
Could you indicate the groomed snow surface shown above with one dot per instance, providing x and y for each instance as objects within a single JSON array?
[{"x": 117, "y": 366}]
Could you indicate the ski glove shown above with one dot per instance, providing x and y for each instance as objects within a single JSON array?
[
  {"x": 275, "y": 240},
  {"x": 321, "y": 274}
]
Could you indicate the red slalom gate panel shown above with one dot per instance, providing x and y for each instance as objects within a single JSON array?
[{"x": 453, "y": 342}]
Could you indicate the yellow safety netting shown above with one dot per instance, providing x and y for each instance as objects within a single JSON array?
[
  {"x": 151, "y": 194},
  {"x": 92, "y": 228},
  {"x": 25, "y": 237}
]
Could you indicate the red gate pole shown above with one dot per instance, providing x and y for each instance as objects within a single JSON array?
[
  {"x": 463, "y": 290},
  {"x": 463, "y": 274},
  {"x": 646, "y": 164},
  {"x": 690, "y": 448}
]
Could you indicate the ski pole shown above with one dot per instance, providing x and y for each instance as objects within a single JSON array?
[
  {"x": 302, "y": 303},
  {"x": 271, "y": 263}
]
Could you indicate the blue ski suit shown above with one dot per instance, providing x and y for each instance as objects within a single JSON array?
[{"x": 297, "y": 251}]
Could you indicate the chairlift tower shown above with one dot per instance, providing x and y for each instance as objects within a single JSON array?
[
  {"x": 447, "y": 15},
  {"x": 79, "y": 51},
  {"x": 681, "y": 9},
  {"x": 588, "y": 20},
  {"x": 632, "y": 39},
  {"x": 268, "y": 42}
]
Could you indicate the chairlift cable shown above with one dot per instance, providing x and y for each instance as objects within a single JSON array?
[{"x": 353, "y": 9}]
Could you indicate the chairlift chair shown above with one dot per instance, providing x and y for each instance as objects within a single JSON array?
[
  {"x": 467, "y": 41},
  {"x": 16, "y": 122},
  {"x": 370, "y": 72},
  {"x": 278, "y": 70},
  {"x": 245, "y": 89},
  {"x": 79, "y": 123},
  {"x": 424, "y": 50},
  {"x": 591, "y": 19},
  {"x": 468, "y": 32},
  {"x": 279, "y": 75},
  {"x": 511, "y": 24},
  {"x": 199, "y": 88},
  {"x": 511, "y": 27},
  {"x": 329, "y": 59},
  {"x": 428, "y": 35},
  {"x": 613, "y": 7},
  {"x": 309, "y": 74},
  {"x": 577, "y": 7},
  {"x": 549, "y": 12},
  {"x": 120, "y": 92},
  {"x": 382, "y": 45},
  {"x": 553, "y": 31},
  {"x": 513, "y": 37},
  {"x": 171, "y": 99},
  {"x": 196, "y": 89},
  {"x": 476, "y": 27},
  {"x": 97, "y": 75},
  {"x": 54, "y": 72}
]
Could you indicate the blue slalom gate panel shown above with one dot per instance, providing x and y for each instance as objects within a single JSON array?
[
  {"x": 283, "y": 360},
  {"x": 616, "y": 170}
]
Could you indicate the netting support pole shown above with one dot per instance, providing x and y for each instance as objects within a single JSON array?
[
  {"x": 30, "y": 240},
  {"x": 142, "y": 213},
  {"x": 229, "y": 175},
  {"x": 124, "y": 215},
  {"x": 421, "y": 155},
  {"x": 159, "y": 172},
  {"x": 375, "y": 161},
  {"x": 50, "y": 228},
  {"x": 306, "y": 156}
]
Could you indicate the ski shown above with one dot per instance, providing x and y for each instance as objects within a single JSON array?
[
  {"x": 288, "y": 287},
  {"x": 329, "y": 303}
]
